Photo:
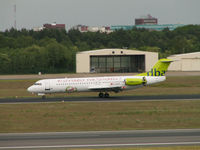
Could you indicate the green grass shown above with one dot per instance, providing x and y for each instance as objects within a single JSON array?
[
  {"x": 182, "y": 81},
  {"x": 85, "y": 116},
  {"x": 173, "y": 85}
]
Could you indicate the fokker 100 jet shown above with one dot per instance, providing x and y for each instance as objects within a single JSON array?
[{"x": 103, "y": 85}]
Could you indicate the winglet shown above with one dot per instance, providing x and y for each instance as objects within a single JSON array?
[{"x": 159, "y": 69}]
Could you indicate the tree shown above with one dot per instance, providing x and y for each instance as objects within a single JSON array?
[
  {"x": 58, "y": 57},
  {"x": 4, "y": 63},
  {"x": 53, "y": 51}
]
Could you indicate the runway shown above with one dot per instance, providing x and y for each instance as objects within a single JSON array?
[
  {"x": 96, "y": 139},
  {"x": 97, "y": 99}
]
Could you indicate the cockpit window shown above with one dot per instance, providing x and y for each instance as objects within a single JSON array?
[{"x": 38, "y": 84}]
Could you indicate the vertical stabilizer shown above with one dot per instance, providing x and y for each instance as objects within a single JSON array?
[{"x": 159, "y": 69}]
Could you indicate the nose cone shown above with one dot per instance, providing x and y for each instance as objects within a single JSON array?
[{"x": 30, "y": 89}]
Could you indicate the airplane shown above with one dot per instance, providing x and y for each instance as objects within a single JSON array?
[{"x": 103, "y": 85}]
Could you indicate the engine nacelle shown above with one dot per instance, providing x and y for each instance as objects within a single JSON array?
[{"x": 134, "y": 81}]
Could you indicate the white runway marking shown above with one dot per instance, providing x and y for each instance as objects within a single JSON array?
[{"x": 102, "y": 145}]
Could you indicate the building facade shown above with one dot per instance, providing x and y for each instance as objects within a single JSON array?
[
  {"x": 159, "y": 27},
  {"x": 156, "y": 27},
  {"x": 115, "y": 60},
  {"x": 146, "y": 20},
  {"x": 185, "y": 62},
  {"x": 54, "y": 26},
  {"x": 84, "y": 28}
]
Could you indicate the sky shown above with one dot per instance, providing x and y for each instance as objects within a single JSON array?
[{"x": 34, "y": 13}]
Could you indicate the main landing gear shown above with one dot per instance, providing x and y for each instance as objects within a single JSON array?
[
  {"x": 43, "y": 97},
  {"x": 101, "y": 95}
]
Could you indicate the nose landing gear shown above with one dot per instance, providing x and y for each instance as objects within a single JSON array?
[{"x": 106, "y": 95}]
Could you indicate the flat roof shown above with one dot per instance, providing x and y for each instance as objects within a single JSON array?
[
  {"x": 193, "y": 53},
  {"x": 117, "y": 49}
]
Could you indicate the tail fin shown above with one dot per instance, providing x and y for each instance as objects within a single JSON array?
[{"x": 159, "y": 69}]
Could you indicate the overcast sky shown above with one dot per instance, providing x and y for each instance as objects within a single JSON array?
[{"x": 34, "y": 13}]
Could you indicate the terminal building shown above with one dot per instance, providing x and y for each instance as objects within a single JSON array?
[
  {"x": 115, "y": 60},
  {"x": 185, "y": 62}
]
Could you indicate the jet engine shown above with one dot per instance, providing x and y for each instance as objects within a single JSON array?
[{"x": 135, "y": 81}]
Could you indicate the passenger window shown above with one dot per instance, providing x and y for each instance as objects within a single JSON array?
[{"x": 38, "y": 84}]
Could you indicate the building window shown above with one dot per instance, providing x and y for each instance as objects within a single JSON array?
[
  {"x": 128, "y": 63},
  {"x": 110, "y": 64}
]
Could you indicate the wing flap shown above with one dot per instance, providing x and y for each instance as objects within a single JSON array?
[{"x": 106, "y": 88}]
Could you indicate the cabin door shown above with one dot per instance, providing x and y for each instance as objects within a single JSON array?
[{"x": 47, "y": 85}]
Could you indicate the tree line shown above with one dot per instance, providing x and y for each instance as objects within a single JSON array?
[{"x": 53, "y": 51}]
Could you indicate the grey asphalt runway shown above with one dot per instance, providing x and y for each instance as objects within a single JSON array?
[
  {"x": 96, "y": 139},
  {"x": 115, "y": 98}
]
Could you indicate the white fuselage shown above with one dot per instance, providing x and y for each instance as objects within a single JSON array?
[{"x": 98, "y": 84}]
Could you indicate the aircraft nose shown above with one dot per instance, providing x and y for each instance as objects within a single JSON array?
[{"x": 30, "y": 89}]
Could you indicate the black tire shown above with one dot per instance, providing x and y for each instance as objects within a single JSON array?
[
  {"x": 43, "y": 97},
  {"x": 106, "y": 95},
  {"x": 101, "y": 95}
]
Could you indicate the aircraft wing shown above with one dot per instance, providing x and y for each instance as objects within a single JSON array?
[{"x": 115, "y": 88}]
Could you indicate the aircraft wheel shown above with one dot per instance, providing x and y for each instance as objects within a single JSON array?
[
  {"x": 43, "y": 97},
  {"x": 101, "y": 95},
  {"x": 106, "y": 95}
]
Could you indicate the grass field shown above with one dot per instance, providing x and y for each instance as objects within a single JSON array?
[
  {"x": 87, "y": 116},
  {"x": 173, "y": 85}
]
